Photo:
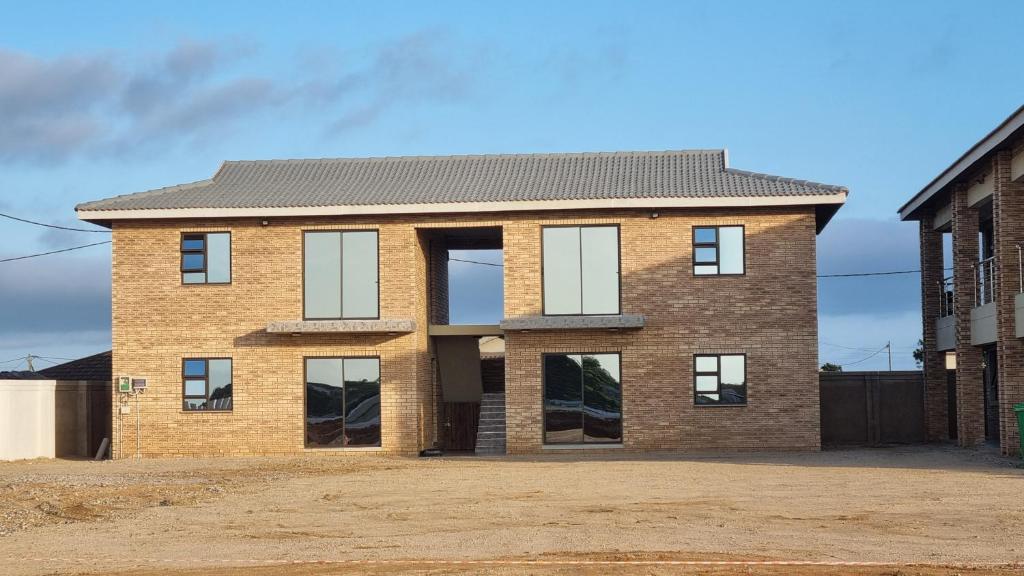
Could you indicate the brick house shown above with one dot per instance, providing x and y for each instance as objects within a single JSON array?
[
  {"x": 652, "y": 301},
  {"x": 972, "y": 215}
]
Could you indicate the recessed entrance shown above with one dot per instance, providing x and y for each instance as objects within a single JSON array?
[{"x": 465, "y": 295}]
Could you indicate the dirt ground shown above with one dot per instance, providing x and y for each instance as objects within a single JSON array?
[{"x": 910, "y": 511}]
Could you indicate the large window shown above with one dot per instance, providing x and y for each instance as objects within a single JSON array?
[
  {"x": 340, "y": 275},
  {"x": 581, "y": 270},
  {"x": 582, "y": 399},
  {"x": 720, "y": 379},
  {"x": 342, "y": 402},
  {"x": 206, "y": 258},
  {"x": 718, "y": 250},
  {"x": 206, "y": 384}
]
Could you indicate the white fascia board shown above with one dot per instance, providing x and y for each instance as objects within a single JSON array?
[
  {"x": 964, "y": 163},
  {"x": 838, "y": 197}
]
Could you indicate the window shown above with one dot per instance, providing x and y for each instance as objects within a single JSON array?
[
  {"x": 720, "y": 379},
  {"x": 340, "y": 275},
  {"x": 582, "y": 399},
  {"x": 206, "y": 258},
  {"x": 718, "y": 250},
  {"x": 581, "y": 270},
  {"x": 342, "y": 402},
  {"x": 206, "y": 384}
]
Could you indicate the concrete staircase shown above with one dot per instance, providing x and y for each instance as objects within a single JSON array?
[{"x": 490, "y": 434}]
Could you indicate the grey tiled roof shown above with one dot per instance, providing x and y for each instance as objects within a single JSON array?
[
  {"x": 95, "y": 367},
  {"x": 458, "y": 179}
]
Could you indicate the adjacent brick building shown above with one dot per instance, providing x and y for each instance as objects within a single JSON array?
[
  {"x": 971, "y": 227},
  {"x": 652, "y": 301}
]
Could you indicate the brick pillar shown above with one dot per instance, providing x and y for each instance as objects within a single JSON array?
[
  {"x": 936, "y": 401},
  {"x": 438, "y": 263},
  {"x": 1008, "y": 215},
  {"x": 970, "y": 394}
]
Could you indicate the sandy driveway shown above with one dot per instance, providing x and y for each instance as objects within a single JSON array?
[{"x": 935, "y": 506}]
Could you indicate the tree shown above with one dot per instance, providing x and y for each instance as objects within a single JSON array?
[
  {"x": 919, "y": 353},
  {"x": 830, "y": 367}
]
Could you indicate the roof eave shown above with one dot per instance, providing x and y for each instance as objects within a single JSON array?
[
  {"x": 835, "y": 198},
  {"x": 964, "y": 163}
]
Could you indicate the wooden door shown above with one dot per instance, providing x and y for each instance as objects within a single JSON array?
[{"x": 459, "y": 422}]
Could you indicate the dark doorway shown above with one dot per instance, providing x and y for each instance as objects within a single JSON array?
[
  {"x": 991, "y": 384},
  {"x": 458, "y": 426}
]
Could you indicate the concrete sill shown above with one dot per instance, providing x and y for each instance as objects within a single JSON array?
[
  {"x": 345, "y": 449},
  {"x": 612, "y": 322},
  {"x": 342, "y": 327},
  {"x": 581, "y": 446}
]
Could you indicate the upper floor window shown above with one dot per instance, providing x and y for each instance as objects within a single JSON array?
[
  {"x": 340, "y": 275},
  {"x": 720, "y": 379},
  {"x": 718, "y": 250},
  {"x": 206, "y": 258},
  {"x": 206, "y": 384},
  {"x": 581, "y": 270}
]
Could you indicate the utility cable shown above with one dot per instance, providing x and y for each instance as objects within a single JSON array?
[
  {"x": 53, "y": 225},
  {"x": 53, "y": 251}
]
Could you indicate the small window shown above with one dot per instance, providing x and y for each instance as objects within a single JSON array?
[
  {"x": 720, "y": 379},
  {"x": 206, "y": 384},
  {"x": 581, "y": 270},
  {"x": 718, "y": 250},
  {"x": 206, "y": 258}
]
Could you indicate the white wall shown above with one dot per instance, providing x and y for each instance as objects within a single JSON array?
[{"x": 27, "y": 419}]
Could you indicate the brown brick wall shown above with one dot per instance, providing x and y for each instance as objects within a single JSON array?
[
  {"x": 969, "y": 391},
  {"x": 935, "y": 392},
  {"x": 1008, "y": 213},
  {"x": 770, "y": 314}
]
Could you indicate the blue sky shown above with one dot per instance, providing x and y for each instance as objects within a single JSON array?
[{"x": 122, "y": 97}]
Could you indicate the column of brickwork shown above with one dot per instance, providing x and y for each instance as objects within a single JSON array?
[
  {"x": 1008, "y": 215},
  {"x": 936, "y": 400},
  {"x": 970, "y": 395}
]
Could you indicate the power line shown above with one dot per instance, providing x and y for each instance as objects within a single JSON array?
[
  {"x": 476, "y": 262},
  {"x": 847, "y": 347},
  {"x": 869, "y": 274},
  {"x": 53, "y": 225},
  {"x": 54, "y": 251},
  {"x": 866, "y": 359}
]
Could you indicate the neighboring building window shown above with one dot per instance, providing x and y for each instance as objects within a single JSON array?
[
  {"x": 581, "y": 270},
  {"x": 206, "y": 258},
  {"x": 206, "y": 384},
  {"x": 582, "y": 399},
  {"x": 342, "y": 402},
  {"x": 720, "y": 379},
  {"x": 718, "y": 250},
  {"x": 340, "y": 275}
]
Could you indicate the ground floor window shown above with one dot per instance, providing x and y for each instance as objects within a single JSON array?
[
  {"x": 206, "y": 384},
  {"x": 582, "y": 399},
  {"x": 720, "y": 379},
  {"x": 342, "y": 402}
]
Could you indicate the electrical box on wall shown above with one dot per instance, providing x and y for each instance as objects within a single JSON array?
[
  {"x": 138, "y": 384},
  {"x": 124, "y": 384}
]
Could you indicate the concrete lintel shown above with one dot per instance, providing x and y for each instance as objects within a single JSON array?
[
  {"x": 341, "y": 326},
  {"x": 617, "y": 322},
  {"x": 465, "y": 330}
]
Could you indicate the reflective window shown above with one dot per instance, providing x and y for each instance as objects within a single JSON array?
[
  {"x": 582, "y": 399},
  {"x": 718, "y": 250},
  {"x": 206, "y": 258},
  {"x": 206, "y": 384},
  {"x": 342, "y": 402},
  {"x": 340, "y": 275},
  {"x": 581, "y": 270},
  {"x": 720, "y": 379}
]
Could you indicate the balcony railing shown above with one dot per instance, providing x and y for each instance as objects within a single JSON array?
[
  {"x": 1020, "y": 270},
  {"x": 946, "y": 306},
  {"x": 985, "y": 282}
]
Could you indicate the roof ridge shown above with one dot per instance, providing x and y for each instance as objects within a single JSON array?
[{"x": 513, "y": 155}]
